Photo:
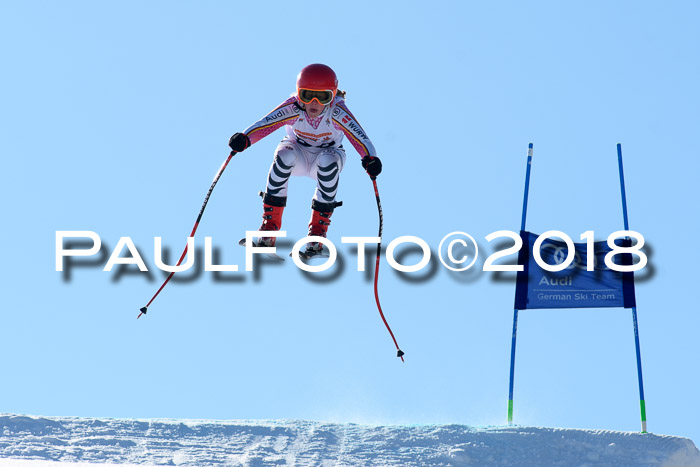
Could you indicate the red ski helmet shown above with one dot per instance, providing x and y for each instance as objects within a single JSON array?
[{"x": 317, "y": 77}]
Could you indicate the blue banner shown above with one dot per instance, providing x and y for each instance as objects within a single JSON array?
[{"x": 573, "y": 287}]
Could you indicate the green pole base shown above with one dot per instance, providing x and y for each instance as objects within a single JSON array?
[{"x": 510, "y": 412}]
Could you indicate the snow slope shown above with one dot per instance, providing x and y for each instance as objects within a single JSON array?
[{"x": 51, "y": 441}]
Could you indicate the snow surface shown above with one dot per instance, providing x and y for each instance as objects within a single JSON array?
[{"x": 53, "y": 441}]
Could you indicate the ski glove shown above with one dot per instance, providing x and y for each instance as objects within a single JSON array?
[
  {"x": 372, "y": 165},
  {"x": 239, "y": 142}
]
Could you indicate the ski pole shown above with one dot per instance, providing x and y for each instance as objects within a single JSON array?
[
  {"x": 194, "y": 229},
  {"x": 399, "y": 352}
]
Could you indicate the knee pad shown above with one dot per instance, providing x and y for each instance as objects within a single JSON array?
[
  {"x": 287, "y": 156},
  {"x": 328, "y": 158}
]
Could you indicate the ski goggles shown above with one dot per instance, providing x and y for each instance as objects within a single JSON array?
[{"x": 308, "y": 95}]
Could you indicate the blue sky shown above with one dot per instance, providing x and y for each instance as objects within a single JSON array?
[{"x": 115, "y": 118}]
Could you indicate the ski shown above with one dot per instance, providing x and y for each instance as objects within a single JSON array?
[
  {"x": 308, "y": 254},
  {"x": 273, "y": 256}
]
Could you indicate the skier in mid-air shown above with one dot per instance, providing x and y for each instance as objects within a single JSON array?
[{"x": 316, "y": 119}]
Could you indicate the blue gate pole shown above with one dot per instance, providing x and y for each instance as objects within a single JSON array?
[
  {"x": 527, "y": 185},
  {"x": 642, "y": 403},
  {"x": 515, "y": 310}
]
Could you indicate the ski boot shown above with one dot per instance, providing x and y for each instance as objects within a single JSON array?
[
  {"x": 273, "y": 207},
  {"x": 320, "y": 220}
]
